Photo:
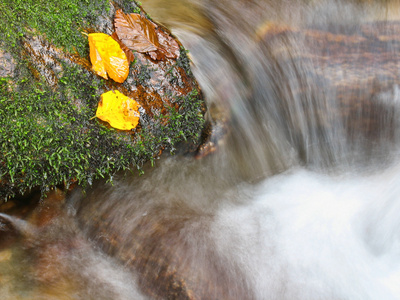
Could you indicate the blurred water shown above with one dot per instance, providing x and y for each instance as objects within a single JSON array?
[{"x": 301, "y": 199}]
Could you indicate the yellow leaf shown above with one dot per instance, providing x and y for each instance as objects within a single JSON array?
[
  {"x": 118, "y": 110},
  {"x": 107, "y": 57}
]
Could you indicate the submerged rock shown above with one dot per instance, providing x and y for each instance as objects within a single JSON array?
[
  {"x": 338, "y": 82},
  {"x": 44, "y": 255}
]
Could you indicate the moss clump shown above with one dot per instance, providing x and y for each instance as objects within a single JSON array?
[
  {"x": 183, "y": 61},
  {"x": 61, "y": 20},
  {"x": 46, "y": 138},
  {"x": 47, "y": 132}
]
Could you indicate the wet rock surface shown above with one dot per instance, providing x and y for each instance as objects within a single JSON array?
[{"x": 7, "y": 64}]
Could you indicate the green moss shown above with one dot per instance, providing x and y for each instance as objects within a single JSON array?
[
  {"x": 143, "y": 74},
  {"x": 46, "y": 138},
  {"x": 183, "y": 61},
  {"x": 61, "y": 21}
]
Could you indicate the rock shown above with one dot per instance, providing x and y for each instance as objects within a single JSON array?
[
  {"x": 48, "y": 135},
  {"x": 7, "y": 64}
]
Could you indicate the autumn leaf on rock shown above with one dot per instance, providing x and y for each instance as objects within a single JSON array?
[
  {"x": 129, "y": 54},
  {"x": 141, "y": 35},
  {"x": 136, "y": 32},
  {"x": 167, "y": 44},
  {"x": 107, "y": 57},
  {"x": 118, "y": 110}
]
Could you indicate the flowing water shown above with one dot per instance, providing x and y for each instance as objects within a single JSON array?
[{"x": 299, "y": 201}]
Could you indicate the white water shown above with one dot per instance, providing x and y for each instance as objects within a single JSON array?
[
  {"x": 310, "y": 236},
  {"x": 296, "y": 235},
  {"x": 328, "y": 229}
]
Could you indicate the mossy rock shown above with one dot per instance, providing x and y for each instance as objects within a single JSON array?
[{"x": 49, "y": 96}]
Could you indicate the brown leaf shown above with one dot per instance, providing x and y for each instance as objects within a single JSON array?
[
  {"x": 168, "y": 44},
  {"x": 136, "y": 32},
  {"x": 129, "y": 54},
  {"x": 155, "y": 55},
  {"x": 141, "y": 35}
]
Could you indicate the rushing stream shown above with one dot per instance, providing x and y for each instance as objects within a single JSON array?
[{"x": 300, "y": 199}]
